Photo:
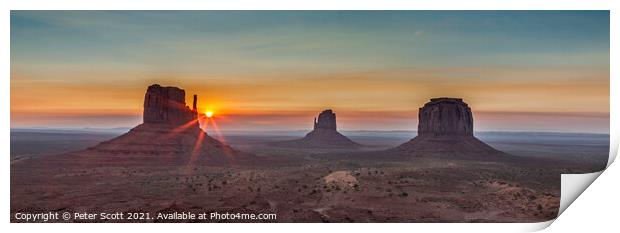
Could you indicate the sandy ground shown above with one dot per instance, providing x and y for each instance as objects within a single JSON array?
[
  {"x": 296, "y": 185},
  {"x": 418, "y": 190}
]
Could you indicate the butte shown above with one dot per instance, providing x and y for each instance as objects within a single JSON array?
[
  {"x": 324, "y": 135},
  {"x": 169, "y": 135},
  {"x": 446, "y": 128}
]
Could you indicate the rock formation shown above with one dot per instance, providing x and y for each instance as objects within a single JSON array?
[
  {"x": 446, "y": 127},
  {"x": 324, "y": 135},
  {"x": 170, "y": 132},
  {"x": 326, "y": 120},
  {"x": 445, "y": 116},
  {"x": 166, "y": 105},
  {"x": 194, "y": 104}
]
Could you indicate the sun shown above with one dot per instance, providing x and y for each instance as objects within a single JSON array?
[{"x": 209, "y": 114}]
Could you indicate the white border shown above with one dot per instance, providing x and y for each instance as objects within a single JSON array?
[{"x": 603, "y": 188}]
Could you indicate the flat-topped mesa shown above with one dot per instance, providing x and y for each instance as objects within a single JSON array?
[
  {"x": 326, "y": 120},
  {"x": 446, "y": 128},
  {"x": 445, "y": 116},
  {"x": 167, "y": 105}
]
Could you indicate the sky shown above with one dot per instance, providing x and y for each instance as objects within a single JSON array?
[{"x": 276, "y": 70}]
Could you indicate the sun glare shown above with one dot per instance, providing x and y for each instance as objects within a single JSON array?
[{"x": 209, "y": 114}]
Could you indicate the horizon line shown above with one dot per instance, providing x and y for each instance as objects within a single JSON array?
[{"x": 305, "y": 130}]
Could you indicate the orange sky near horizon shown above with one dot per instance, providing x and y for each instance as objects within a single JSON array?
[
  {"x": 264, "y": 70},
  {"x": 360, "y": 100}
]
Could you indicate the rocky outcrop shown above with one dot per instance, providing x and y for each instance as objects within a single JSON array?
[
  {"x": 326, "y": 120},
  {"x": 170, "y": 135},
  {"x": 445, "y": 116},
  {"x": 166, "y": 105},
  {"x": 324, "y": 135},
  {"x": 194, "y": 108},
  {"x": 445, "y": 127}
]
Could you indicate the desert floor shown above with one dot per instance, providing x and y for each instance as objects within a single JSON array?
[{"x": 305, "y": 185}]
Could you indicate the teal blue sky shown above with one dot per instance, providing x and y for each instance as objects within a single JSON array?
[
  {"x": 262, "y": 66},
  {"x": 331, "y": 40}
]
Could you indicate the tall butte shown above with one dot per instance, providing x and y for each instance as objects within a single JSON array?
[
  {"x": 324, "y": 135},
  {"x": 166, "y": 105},
  {"x": 170, "y": 133},
  {"x": 446, "y": 127}
]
